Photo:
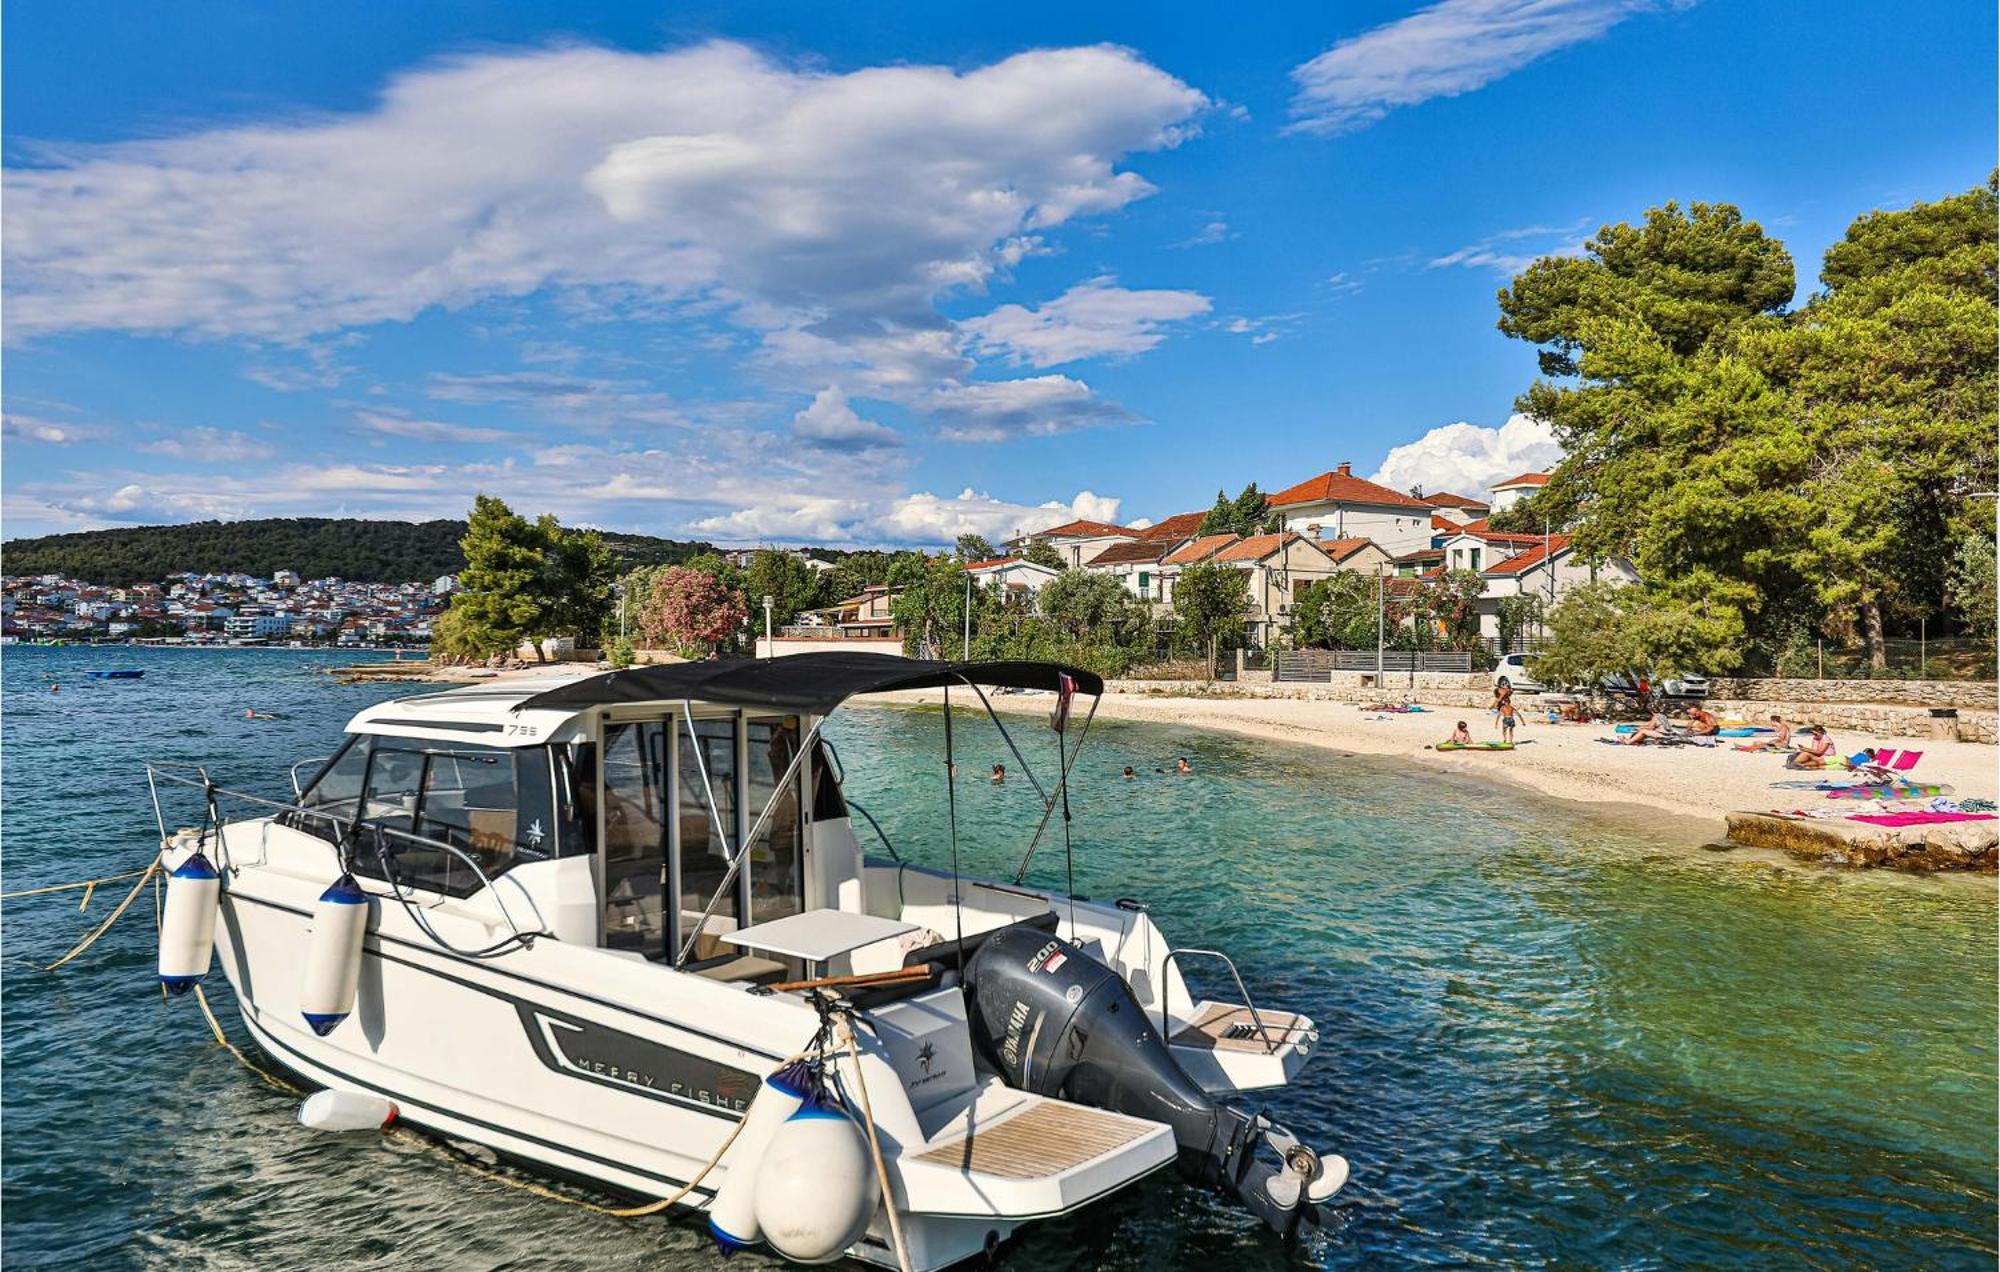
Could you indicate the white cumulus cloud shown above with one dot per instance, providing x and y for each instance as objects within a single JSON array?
[
  {"x": 832, "y": 423},
  {"x": 1449, "y": 48},
  {"x": 1466, "y": 459},
  {"x": 1039, "y": 406},
  {"x": 1091, "y": 320}
]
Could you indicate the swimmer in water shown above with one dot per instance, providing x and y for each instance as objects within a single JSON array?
[
  {"x": 252, "y": 713},
  {"x": 1182, "y": 767},
  {"x": 1129, "y": 774},
  {"x": 999, "y": 774}
]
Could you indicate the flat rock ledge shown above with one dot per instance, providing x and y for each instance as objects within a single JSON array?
[{"x": 1943, "y": 846}]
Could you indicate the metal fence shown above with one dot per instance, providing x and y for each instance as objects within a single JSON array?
[
  {"x": 1944, "y": 658},
  {"x": 1317, "y": 664}
]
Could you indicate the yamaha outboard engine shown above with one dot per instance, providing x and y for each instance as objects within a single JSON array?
[{"x": 1057, "y": 1022}]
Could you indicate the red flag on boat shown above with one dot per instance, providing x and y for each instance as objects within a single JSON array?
[{"x": 1065, "y": 690}]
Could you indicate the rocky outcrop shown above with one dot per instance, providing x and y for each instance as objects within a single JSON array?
[{"x": 1944, "y": 846}]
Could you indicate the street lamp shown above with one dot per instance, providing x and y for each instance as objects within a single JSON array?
[{"x": 770, "y": 650}]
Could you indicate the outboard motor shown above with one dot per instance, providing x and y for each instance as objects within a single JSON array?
[{"x": 1057, "y": 1022}]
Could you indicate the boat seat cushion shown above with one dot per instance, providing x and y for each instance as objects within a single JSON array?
[
  {"x": 739, "y": 968},
  {"x": 952, "y": 951}
]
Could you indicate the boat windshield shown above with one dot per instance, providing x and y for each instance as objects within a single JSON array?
[{"x": 501, "y": 806}]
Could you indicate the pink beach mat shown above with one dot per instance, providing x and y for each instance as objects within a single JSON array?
[{"x": 1917, "y": 819}]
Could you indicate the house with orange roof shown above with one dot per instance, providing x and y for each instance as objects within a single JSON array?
[
  {"x": 1476, "y": 545},
  {"x": 1014, "y": 576},
  {"x": 1339, "y": 505},
  {"x": 1076, "y": 541},
  {"x": 1454, "y": 509},
  {"x": 1202, "y": 548},
  {"x": 1548, "y": 568},
  {"x": 1512, "y": 491},
  {"x": 1278, "y": 565},
  {"x": 1136, "y": 564}
]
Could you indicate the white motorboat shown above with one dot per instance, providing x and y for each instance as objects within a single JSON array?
[{"x": 620, "y": 927}]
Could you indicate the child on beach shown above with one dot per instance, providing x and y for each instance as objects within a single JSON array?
[
  {"x": 1461, "y": 736},
  {"x": 1508, "y": 716}
]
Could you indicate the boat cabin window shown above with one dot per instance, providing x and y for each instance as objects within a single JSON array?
[
  {"x": 497, "y": 805},
  {"x": 679, "y": 799}
]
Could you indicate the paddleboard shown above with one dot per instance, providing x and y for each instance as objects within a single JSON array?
[{"x": 1475, "y": 746}]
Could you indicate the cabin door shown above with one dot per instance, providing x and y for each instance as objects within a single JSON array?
[{"x": 635, "y": 804}]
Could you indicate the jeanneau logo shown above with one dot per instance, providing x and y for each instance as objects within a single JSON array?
[
  {"x": 609, "y": 1057},
  {"x": 925, "y": 1055}
]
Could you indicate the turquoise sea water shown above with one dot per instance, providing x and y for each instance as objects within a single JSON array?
[{"x": 1550, "y": 1038}]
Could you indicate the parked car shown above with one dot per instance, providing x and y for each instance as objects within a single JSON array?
[
  {"x": 1628, "y": 684},
  {"x": 1512, "y": 672}
]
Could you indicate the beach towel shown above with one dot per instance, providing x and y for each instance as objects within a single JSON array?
[
  {"x": 1917, "y": 819},
  {"x": 1902, "y": 790}
]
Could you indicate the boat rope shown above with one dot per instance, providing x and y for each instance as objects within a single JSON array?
[
  {"x": 109, "y": 919},
  {"x": 271, "y": 1080},
  {"x": 846, "y": 1018},
  {"x": 88, "y": 885}
]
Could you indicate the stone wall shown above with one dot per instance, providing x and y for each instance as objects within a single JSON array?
[
  {"x": 1976, "y": 694},
  {"x": 1865, "y": 720},
  {"x": 1433, "y": 688}
]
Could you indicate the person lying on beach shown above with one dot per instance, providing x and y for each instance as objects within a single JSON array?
[
  {"x": 1779, "y": 741},
  {"x": 1656, "y": 727},
  {"x": 1703, "y": 723},
  {"x": 1813, "y": 752},
  {"x": 1461, "y": 736}
]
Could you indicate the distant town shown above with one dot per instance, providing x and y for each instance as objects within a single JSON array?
[{"x": 200, "y": 609}]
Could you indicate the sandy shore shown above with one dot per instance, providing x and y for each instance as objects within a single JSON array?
[{"x": 1566, "y": 761}]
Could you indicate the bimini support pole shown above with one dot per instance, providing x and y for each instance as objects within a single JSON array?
[
  {"x": 756, "y": 829},
  {"x": 951, "y": 802},
  {"x": 1062, "y": 783}
]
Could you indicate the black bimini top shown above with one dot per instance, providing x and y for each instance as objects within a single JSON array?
[{"x": 812, "y": 683}]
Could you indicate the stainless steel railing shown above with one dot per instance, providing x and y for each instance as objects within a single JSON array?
[{"x": 1270, "y": 1044}]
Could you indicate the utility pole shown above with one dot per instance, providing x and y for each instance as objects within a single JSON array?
[
  {"x": 770, "y": 649},
  {"x": 1381, "y": 613},
  {"x": 966, "y": 654}
]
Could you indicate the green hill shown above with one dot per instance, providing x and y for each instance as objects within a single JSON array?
[{"x": 316, "y": 547}]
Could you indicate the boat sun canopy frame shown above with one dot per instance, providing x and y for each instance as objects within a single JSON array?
[{"x": 811, "y": 683}]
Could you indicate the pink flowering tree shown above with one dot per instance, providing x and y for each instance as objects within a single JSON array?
[{"x": 689, "y": 612}]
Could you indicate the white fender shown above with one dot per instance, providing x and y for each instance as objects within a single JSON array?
[
  {"x": 337, "y": 1110},
  {"x": 333, "y": 955},
  {"x": 187, "y": 923},
  {"x": 816, "y": 1187},
  {"x": 732, "y": 1214}
]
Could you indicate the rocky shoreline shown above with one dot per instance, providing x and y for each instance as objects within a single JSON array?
[{"x": 1946, "y": 846}]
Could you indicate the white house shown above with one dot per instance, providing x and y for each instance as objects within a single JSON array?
[
  {"x": 1077, "y": 541},
  {"x": 1512, "y": 491},
  {"x": 1014, "y": 575},
  {"x": 1339, "y": 505},
  {"x": 1136, "y": 564},
  {"x": 1548, "y": 570},
  {"x": 1475, "y": 547}
]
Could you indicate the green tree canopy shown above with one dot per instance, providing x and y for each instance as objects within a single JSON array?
[
  {"x": 502, "y": 599},
  {"x": 792, "y": 585},
  {"x": 1803, "y": 470},
  {"x": 1211, "y": 602},
  {"x": 974, "y": 547}
]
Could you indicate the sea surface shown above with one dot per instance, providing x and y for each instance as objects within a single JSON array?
[{"x": 1551, "y": 1038}]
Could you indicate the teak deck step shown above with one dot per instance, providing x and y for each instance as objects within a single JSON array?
[
  {"x": 1048, "y": 1139},
  {"x": 1213, "y": 1028}
]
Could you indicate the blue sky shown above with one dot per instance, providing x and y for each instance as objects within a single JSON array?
[{"x": 869, "y": 274}]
